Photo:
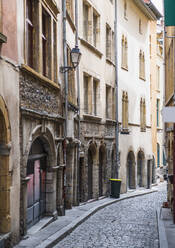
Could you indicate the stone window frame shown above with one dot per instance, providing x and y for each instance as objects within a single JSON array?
[
  {"x": 124, "y": 55},
  {"x": 142, "y": 115},
  {"x": 90, "y": 107},
  {"x": 52, "y": 10},
  {"x": 109, "y": 43},
  {"x": 125, "y": 112},
  {"x": 71, "y": 80},
  {"x": 89, "y": 12},
  {"x": 142, "y": 65}
]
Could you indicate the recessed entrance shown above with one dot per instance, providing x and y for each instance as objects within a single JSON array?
[
  {"x": 36, "y": 186},
  {"x": 102, "y": 164},
  {"x": 131, "y": 171},
  {"x": 140, "y": 168}
]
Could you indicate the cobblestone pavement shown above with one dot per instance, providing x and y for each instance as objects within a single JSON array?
[{"x": 130, "y": 223}]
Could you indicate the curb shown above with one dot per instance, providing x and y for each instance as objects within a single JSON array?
[
  {"x": 58, "y": 236},
  {"x": 163, "y": 243}
]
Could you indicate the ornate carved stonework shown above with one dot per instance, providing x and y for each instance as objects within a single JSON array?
[{"x": 35, "y": 96}]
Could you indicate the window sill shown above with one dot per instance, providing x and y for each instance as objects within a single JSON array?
[
  {"x": 110, "y": 121},
  {"x": 124, "y": 67},
  {"x": 70, "y": 20},
  {"x": 43, "y": 79},
  {"x": 125, "y": 131},
  {"x": 142, "y": 78},
  {"x": 3, "y": 38},
  {"x": 92, "y": 117},
  {"x": 91, "y": 47},
  {"x": 109, "y": 61}
]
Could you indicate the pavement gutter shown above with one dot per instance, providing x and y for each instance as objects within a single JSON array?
[
  {"x": 58, "y": 236},
  {"x": 163, "y": 243}
]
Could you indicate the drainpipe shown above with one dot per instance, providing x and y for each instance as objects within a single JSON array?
[
  {"x": 66, "y": 86},
  {"x": 116, "y": 98},
  {"x": 78, "y": 101}
]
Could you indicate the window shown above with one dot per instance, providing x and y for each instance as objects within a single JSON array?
[
  {"x": 41, "y": 56},
  {"x": 29, "y": 32},
  {"x": 95, "y": 96},
  {"x": 125, "y": 10},
  {"x": 158, "y": 77},
  {"x": 70, "y": 8},
  {"x": 158, "y": 155},
  {"x": 95, "y": 29},
  {"x": 113, "y": 47},
  {"x": 86, "y": 94},
  {"x": 91, "y": 25},
  {"x": 86, "y": 21},
  {"x": 140, "y": 26},
  {"x": 142, "y": 65},
  {"x": 158, "y": 112},
  {"x": 125, "y": 111},
  {"x": 108, "y": 102},
  {"x": 71, "y": 80},
  {"x": 124, "y": 61},
  {"x": 46, "y": 43},
  {"x": 142, "y": 115},
  {"x": 108, "y": 42}
]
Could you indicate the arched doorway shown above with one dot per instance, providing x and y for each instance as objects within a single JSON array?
[
  {"x": 131, "y": 171},
  {"x": 90, "y": 174},
  {"x": 36, "y": 186},
  {"x": 102, "y": 167},
  {"x": 4, "y": 169},
  {"x": 140, "y": 168}
]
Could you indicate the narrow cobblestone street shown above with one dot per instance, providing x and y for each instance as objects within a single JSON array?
[{"x": 126, "y": 224}]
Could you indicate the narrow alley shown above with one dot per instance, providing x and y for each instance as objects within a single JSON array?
[{"x": 125, "y": 224}]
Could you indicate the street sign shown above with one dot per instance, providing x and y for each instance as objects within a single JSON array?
[
  {"x": 168, "y": 114},
  {"x": 169, "y": 9}
]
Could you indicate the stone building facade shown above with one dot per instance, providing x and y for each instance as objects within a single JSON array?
[
  {"x": 41, "y": 112},
  {"x": 9, "y": 126},
  {"x": 97, "y": 101},
  {"x": 135, "y": 19}
]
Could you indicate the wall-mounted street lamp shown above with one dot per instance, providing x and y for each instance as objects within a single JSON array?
[{"x": 75, "y": 56}]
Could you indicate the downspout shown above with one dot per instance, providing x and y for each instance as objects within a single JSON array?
[
  {"x": 65, "y": 65},
  {"x": 116, "y": 98},
  {"x": 78, "y": 101},
  {"x": 66, "y": 90}
]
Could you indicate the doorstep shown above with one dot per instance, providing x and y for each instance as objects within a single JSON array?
[
  {"x": 39, "y": 225},
  {"x": 3, "y": 238}
]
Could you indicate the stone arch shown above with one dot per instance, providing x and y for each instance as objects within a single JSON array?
[
  {"x": 40, "y": 184},
  {"x": 92, "y": 179},
  {"x": 131, "y": 178},
  {"x": 41, "y": 142},
  {"x": 102, "y": 169},
  {"x": 140, "y": 168},
  {"x": 5, "y": 178}
]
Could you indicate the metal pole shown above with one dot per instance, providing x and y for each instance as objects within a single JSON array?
[
  {"x": 116, "y": 93},
  {"x": 78, "y": 101},
  {"x": 66, "y": 86},
  {"x": 65, "y": 65}
]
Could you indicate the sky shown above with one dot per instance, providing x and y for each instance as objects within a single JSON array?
[{"x": 159, "y": 5}]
